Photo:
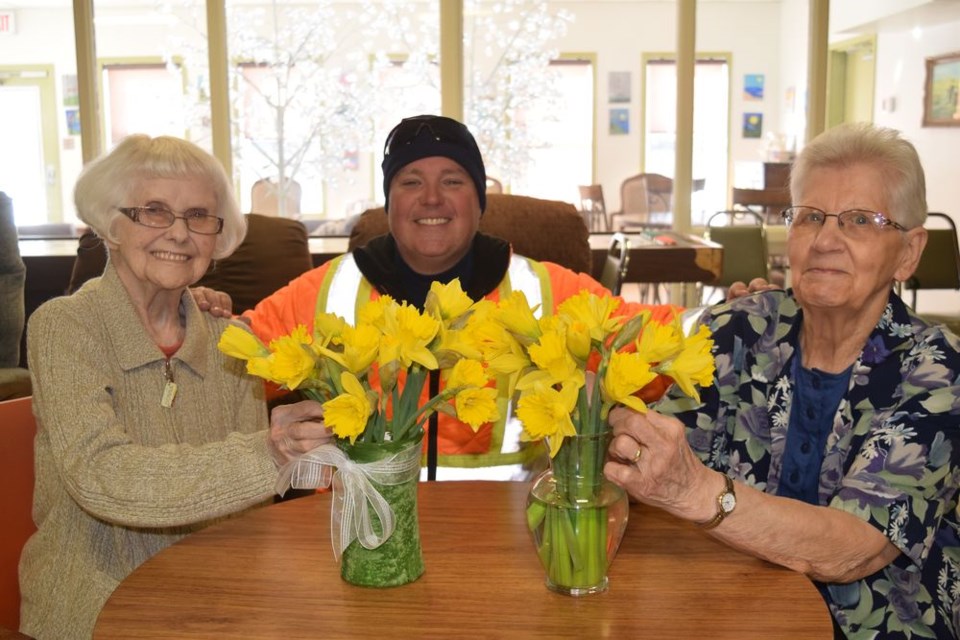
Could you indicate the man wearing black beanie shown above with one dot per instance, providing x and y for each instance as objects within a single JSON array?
[{"x": 434, "y": 183}]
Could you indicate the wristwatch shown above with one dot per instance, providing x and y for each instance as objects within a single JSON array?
[{"x": 726, "y": 503}]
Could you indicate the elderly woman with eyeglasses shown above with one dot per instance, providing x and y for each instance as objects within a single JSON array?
[
  {"x": 146, "y": 431},
  {"x": 829, "y": 441}
]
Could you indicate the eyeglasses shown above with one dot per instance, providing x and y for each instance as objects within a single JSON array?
[
  {"x": 441, "y": 128},
  {"x": 157, "y": 217},
  {"x": 853, "y": 223}
]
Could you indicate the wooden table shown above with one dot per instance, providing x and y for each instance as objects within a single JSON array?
[
  {"x": 663, "y": 255},
  {"x": 271, "y": 574}
]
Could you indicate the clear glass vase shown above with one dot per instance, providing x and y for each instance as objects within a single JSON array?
[
  {"x": 577, "y": 517},
  {"x": 399, "y": 560}
]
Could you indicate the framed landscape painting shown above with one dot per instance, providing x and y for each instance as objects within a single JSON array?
[{"x": 941, "y": 105}]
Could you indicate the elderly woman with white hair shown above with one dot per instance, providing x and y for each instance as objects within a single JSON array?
[
  {"x": 146, "y": 431},
  {"x": 829, "y": 441}
]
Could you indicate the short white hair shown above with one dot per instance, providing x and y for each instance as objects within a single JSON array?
[
  {"x": 863, "y": 143},
  {"x": 108, "y": 182}
]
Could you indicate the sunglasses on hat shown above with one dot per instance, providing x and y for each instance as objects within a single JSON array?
[{"x": 440, "y": 128}]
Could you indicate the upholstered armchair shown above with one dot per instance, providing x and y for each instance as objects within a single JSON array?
[{"x": 545, "y": 230}]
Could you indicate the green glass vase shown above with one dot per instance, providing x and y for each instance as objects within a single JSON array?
[{"x": 399, "y": 560}]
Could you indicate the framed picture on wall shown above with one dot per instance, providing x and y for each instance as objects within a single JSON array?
[{"x": 941, "y": 100}]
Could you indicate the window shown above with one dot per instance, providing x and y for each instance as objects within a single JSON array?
[
  {"x": 142, "y": 98},
  {"x": 710, "y": 128},
  {"x": 565, "y": 159}
]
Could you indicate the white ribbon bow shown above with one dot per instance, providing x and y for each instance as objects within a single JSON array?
[{"x": 353, "y": 490}]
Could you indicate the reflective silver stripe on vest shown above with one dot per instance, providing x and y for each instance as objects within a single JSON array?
[
  {"x": 342, "y": 296},
  {"x": 524, "y": 278}
]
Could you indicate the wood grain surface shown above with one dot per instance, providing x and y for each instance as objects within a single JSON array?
[{"x": 271, "y": 574}]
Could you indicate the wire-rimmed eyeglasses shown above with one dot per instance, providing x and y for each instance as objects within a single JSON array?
[
  {"x": 157, "y": 217},
  {"x": 854, "y": 223}
]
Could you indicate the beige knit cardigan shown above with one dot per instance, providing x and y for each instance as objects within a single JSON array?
[{"x": 119, "y": 477}]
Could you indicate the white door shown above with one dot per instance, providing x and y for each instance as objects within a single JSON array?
[{"x": 22, "y": 173}]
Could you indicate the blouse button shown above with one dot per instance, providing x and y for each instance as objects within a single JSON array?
[
  {"x": 805, "y": 447},
  {"x": 811, "y": 413}
]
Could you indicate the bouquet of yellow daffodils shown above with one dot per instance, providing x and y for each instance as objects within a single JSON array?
[
  {"x": 570, "y": 369},
  {"x": 370, "y": 377},
  {"x": 628, "y": 359}
]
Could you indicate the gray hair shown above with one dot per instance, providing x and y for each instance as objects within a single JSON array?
[
  {"x": 108, "y": 182},
  {"x": 863, "y": 143}
]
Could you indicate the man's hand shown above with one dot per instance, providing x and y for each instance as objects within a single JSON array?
[
  {"x": 739, "y": 289},
  {"x": 216, "y": 303}
]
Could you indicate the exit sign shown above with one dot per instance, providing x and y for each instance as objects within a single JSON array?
[{"x": 8, "y": 25}]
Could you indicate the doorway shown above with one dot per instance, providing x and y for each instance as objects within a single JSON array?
[
  {"x": 851, "y": 75},
  {"x": 30, "y": 162}
]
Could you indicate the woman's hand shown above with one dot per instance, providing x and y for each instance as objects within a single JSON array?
[
  {"x": 653, "y": 463},
  {"x": 217, "y": 303},
  {"x": 740, "y": 289},
  {"x": 295, "y": 429}
]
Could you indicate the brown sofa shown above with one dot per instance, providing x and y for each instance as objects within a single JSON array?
[{"x": 545, "y": 230}]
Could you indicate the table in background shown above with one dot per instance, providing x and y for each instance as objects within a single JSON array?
[
  {"x": 271, "y": 574},
  {"x": 663, "y": 255}
]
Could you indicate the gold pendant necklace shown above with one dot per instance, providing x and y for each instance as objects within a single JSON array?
[{"x": 170, "y": 388}]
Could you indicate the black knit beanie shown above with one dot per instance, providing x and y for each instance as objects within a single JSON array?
[{"x": 426, "y": 136}]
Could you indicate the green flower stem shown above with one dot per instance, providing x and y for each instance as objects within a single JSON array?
[
  {"x": 570, "y": 529},
  {"x": 407, "y": 409}
]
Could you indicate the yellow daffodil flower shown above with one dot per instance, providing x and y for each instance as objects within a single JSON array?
[
  {"x": 373, "y": 312},
  {"x": 593, "y": 311},
  {"x": 455, "y": 344},
  {"x": 694, "y": 364},
  {"x": 262, "y": 368},
  {"x": 477, "y": 406},
  {"x": 517, "y": 316},
  {"x": 328, "y": 327},
  {"x": 467, "y": 373},
  {"x": 498, "y": 347},
  {"x": 447, "y": 301},
  {"x": 546, "y": 413},
  {"x": 360, "y": 347},
  {"x": 240, "y": 343},
  {"x": 347, "y": 414},
  {"x": 659, "y": 342},
  {"x": 410, "y": 333},
  {"x": 554, "y": 362},
  {"x": 578, "y": 340},
  {"x": 626, "y": 374},
  {"x": 292, "y": 360}
]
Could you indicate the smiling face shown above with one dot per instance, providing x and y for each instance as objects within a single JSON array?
[
  {"x": 832, "y": 272},
  {"x": 151, "y": 260},
  {"x": 434, "y": 213}
]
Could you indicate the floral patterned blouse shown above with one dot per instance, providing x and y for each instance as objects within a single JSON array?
[{"x": 891, "y": 457}]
